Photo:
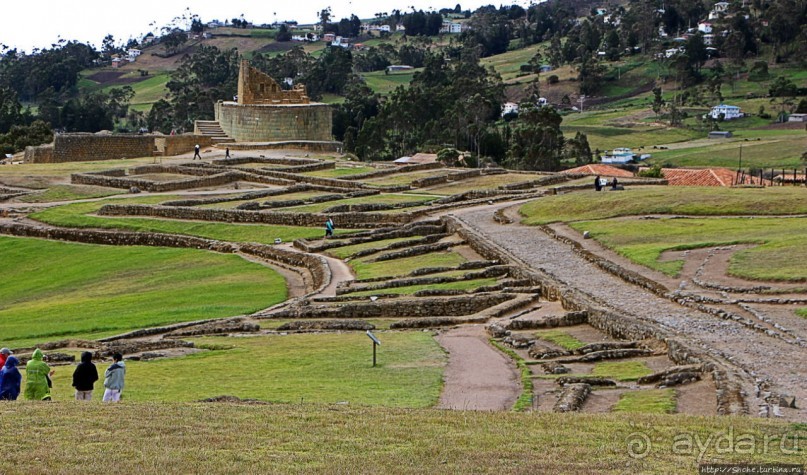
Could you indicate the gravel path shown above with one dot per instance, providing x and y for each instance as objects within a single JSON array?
[
  {"x": 478, "y": 377},
  {"x": 760, "y": 356}
]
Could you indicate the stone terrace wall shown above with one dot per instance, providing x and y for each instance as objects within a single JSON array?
[
  {"x": 285, "y": 161},
  {"x": 85, "y": 147},
  {"x": 172, "y": 145},
  {"x": 38, "y": 154},
  {"x": 153, "y": 186},
  {"x": 307, "y": 145},
  {"x": 344, "y": 220},
  {"x": 400, "y": 308},
  {"x": 316, "y": 265}
]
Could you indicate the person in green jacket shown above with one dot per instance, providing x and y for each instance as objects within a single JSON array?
[{"x": 37, "y": 374}]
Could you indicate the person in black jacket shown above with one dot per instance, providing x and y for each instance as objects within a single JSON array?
[{"x": 84, "y": 377}]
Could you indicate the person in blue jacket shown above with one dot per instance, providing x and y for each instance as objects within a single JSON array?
[{"x": 10, "y": 380}]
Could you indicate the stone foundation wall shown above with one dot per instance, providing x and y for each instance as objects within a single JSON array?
[
  {"x": 172, "y": 145},
  {"x": 306, "y": 145},
  {"x": 273, "y": 123},
  {"x": 345, "y": 220},
  {"x": 316, "y": 265},
  {"x": 85, "y": 147},
  {"x": 38, "y": 154}
]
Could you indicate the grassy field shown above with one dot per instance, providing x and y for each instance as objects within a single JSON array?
[
  {"x": 307, "y": 438},
  {"x": 345, "y": 251},
  {"x": 695, "y": 201},
  {"x": 291, "y": 369},
  {"x": 627, "y": 370},
  {"x": 643, "y": 241},
  {"x": 651, "y": 401},
  {"x": 384, "y": 84},
  {"x": 50, "y": 290},
  {"x": 560, "y": 338},
  {"x": 388, "y": 198},
  {"x": 366, "y": 270},
  {"x": 78, "y": 215},
  {"x": 476, "y": 183},
  {"x": 340, "y": 172},
  {"x": 411, "y": 289},
  {"x": 69, "y": 192},
  {"x": 771, "y": 151},
  {"x": 44, "y": 175}
]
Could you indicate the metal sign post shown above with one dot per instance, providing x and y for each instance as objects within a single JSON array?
[{"x": 376, "y": 342}]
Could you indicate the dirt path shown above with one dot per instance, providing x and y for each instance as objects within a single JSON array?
[
  {"x": 340, "y": 272},
  {"x": 478, "y": 377}
]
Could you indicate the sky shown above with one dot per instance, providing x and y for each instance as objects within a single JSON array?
[{"x": 40, "y": 23}]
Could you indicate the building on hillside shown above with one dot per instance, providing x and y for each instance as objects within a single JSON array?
[
  {"x": 708, "y": 39},
  {"x": 118, "y": 62},
  {"x": 705, "y": 27},
  {"x": 509, "y": 108},
  {"x": 618, "y": 155},
  {"x": 797, "y": 118},
  {"x": 729, "y": 112},
  {"x": 341, "y": 42},
  {"x": 596, "y": 169},
  {"x": 417, "y": 159},
  {"x": 328, "y": 37},
  {"x": 719, "y": 134},
  {"x": 721, "y": 7},
  {"x": 451, "y": 27},
  {"x": 399, "y": 67}
]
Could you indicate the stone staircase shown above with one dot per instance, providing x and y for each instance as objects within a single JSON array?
[{"x": 212, "y": 129}]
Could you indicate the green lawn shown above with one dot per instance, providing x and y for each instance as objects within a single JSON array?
[
  {"x": 411, "y": 289},
  {"x": 652, "y": 401},
  {"x": 403, "y": 266},
  {"x": 643, "y": 241},
  {"x": 627, "y": 370},
  {"x": 69, "y": 192},
  {"x": 77, "y": 215},
  {"x": 698, "y": 201},
  {"x": 340, "y": 172},
  {"x": 51, "y": 290},
  {"x": 293, "y": 369},
  {"x": 560, "y": 338},
  {"x": 345, "y": 251},
  {"x": 313, "y": 438},
  {"x": 384, "y": 84},
  {"x": 388, "y": 198},
  {"x": 607, "y": 138},
  {"x": 770, "y": 151}
]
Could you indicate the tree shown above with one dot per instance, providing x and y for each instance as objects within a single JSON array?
[
  {"x": 173, "y": 40},
  {"x": 658, "y": 101},
  {"x": 578, "y": 149},
  {"x": 196, "y": 25},
  {"x": 590, "y": 75},
  {"x": 537, "y": 141},
  {"x": 783, "y": 91}
]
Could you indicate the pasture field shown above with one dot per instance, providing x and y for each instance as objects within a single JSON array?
[
  {"x": 319, "y": 368},
  {"x": 384, "y": 84},
  {"x": 315, "y": 438},
  {"x": 57, "y": 193},
  {"x": 53, "y": 290},
  {"x": 364, "y": 269}
]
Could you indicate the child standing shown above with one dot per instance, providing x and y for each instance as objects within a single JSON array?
[
  {"x": 113, "y": 379},
  {"x": 84, "y": 377}
]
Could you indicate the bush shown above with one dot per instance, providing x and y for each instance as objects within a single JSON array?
[
  {"x": 652, "y": 172},
  {"x": 553, "y": 79}
]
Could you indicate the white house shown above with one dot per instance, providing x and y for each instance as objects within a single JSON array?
[
  {"x": 721, "y": 7},
  {"x": 342, "y": 42},
  {"x": 618, "y": 155},
  {"x": 509, "y": 108},
  {"x": 729, "y": 112},
  {"x": 705, "y": 27},
  {"x": 708, "y": 39},
  {"x": 451, "y": 27}
]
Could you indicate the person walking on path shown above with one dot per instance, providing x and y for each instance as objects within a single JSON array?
[
  {"x": 4, "y": 354},
  {"x": 10, "y": 380},
  {"x": 227, "y": 152},
  {"x": 37, "y": 378},
  {"x": 597, "y": 183},
  {"x": 196, "y": 152},
  {"x": 113, "y": 379},
  {"x": 329, "y": 228},
  {"x": 84, "y": 377}
]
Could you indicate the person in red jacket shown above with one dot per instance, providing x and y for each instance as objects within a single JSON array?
[{"x": 4, "y": 354}]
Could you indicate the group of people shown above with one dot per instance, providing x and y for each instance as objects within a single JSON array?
[
  {"x": 599, "y": 183},
  {"x": 38, "y": 376}
]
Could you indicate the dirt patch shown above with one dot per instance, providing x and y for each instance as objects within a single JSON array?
[
  {"x": 697, "y": 398},
  {"x": 602, "y": 400}
]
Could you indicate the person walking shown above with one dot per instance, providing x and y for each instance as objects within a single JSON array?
[
  {"x": 10, "y": 380},
  {"x": 37, "y": 378},
  {"x": 84, "y": 377},
  {"x": 329, "y": 228},
  {"x": 597, "y": 183},
  {"x": 227, "y": 152},
  {"x": 113, "y": 379},
  {"x": 4, "y": 354},
  {"x": 196, "y": 152}
]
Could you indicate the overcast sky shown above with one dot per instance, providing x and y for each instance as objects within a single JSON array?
[{"x": 29, "y": 24}]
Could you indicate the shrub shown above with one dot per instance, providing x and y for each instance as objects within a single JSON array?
[{"x": 553, "y": 79}]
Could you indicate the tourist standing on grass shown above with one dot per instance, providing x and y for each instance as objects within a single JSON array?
[
  {"x": 196, "y": 152},
  {"x": 614, "y": 184},
  {"x": 329, "y": 228},
  {"x": 4, "y": 354},
  {"x": 10, "y": 380},
  {"x": 113, "y": 379},
  {"x": 597, "y": 184},
  {"x": 84, "y": 377},
  {"x": 37, "y": 378}
]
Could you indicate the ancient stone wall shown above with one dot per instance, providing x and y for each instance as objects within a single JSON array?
[
  {"x": 172, "y": 145},
  {"x": 38, "y": 154},
  {"x": 86, "y": 147},
  {"x": 256, "y": 87},
  {"x": 344, "y": 220},
  {"x": 316, "y": 265},
  {"x": 275, "y": 123}
]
